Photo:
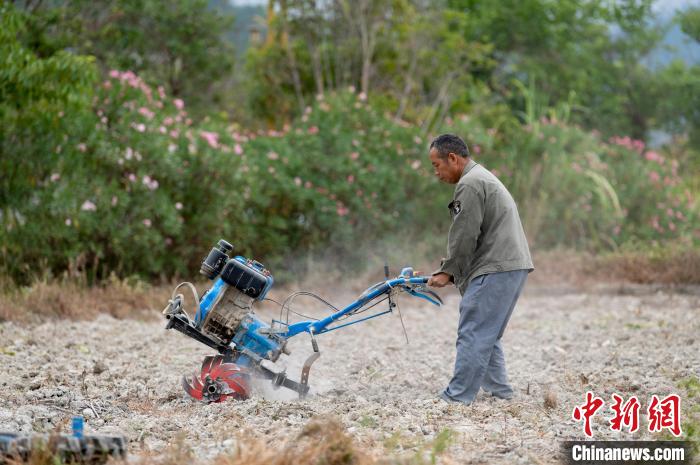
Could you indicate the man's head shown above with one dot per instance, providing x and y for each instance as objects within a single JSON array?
[{"x": 448, "y": 155}]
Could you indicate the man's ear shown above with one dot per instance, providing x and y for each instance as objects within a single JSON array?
[{"x": 452, "y": 157}]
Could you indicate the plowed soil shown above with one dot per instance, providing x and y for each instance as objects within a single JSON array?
[{"x": 123, "y": 376}]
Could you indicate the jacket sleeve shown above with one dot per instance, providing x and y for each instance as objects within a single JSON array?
[{"x": 464, "y": 231}]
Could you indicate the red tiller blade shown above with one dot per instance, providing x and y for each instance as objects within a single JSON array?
[{"x": 217, "y": 381}]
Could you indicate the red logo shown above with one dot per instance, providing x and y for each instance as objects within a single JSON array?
[
  {"x": 587, "y": 410},
  {"x": 625, "y": 415},
  {"x": 665, "y": 413},
  {"x": 662, "y": 414}
]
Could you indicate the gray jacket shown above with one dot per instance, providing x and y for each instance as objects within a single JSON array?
[{"x": 486, "y": 235}]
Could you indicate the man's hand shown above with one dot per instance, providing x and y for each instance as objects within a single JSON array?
[{"x": 439, "y": 280}]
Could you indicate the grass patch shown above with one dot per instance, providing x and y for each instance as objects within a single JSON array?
[
  {"x": 367, "y": 421},
  {"x": 641, "y": 263},
  {"x": 660, "y": 264},
  {"x": 73, "y": 299},
  {"x": 323, "y": 441},
  {"x": 692, "y": 386},
  {"x": 690, "y": 411}
]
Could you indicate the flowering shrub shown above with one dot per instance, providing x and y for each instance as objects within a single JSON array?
[
  {"x": 129, "y": 184},
  {"x": 576, "y": 190},
  {"x": 134, "y": 187}
]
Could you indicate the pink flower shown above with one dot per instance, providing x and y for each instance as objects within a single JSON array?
[
  {"x": 132, "y": 177},
  {"x": 272, "y": 155},
  {"x": 161, "y": 92},
  {"x": 417, "y": 140},
  {"x": 140, "y": 127},
  {"x": 237, "y": 149},
  {"x": 146, "y": 112},
  {"x": 476, "y": 148},
  {"x": 150, "y": 183},
  {"x": 341, "y": 210},
  {"x": 313, "y": 130},
  {"x": 297, "y": 181},
  {"x": 212, "y": 138},
  {"x": 351, "y": 179},
  {"x": 147, "y": 223},
  {"x": 82, "y": 147},
  {"x": 68, "y": 222},
  {"x": 415, "y": 164},
  {"x": 168, "y": 121},
  {"x": 653, "y": 156},
  {"x": 654, "y": 176},
  {"x": 162, "y": 130},
  {"x": 88, "y": 206},
  {"x": 576, "y": 167},
  {"x": 354, "y": 155},
  {"x": 55, "y": 177},
  {"x": 178, "y": 206},
  {"x": 115, "y": 200},
  {"x": 174, "y": 133},
  {"x": 179, "y": 104},
  {"x": 114, "y": 74},
  {"x": 308, "y": 185},
  {"x": 628, "y": 143},
  {"x": 351, "y": 89},
  {"x": 655, "y": 223},
  {"x": 362, "y": 96}
]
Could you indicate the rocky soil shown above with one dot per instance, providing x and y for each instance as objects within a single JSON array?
[{"x": 123, "y": 376}]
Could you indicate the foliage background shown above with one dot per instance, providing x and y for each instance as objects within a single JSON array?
[{"x": 133, "y": 136}]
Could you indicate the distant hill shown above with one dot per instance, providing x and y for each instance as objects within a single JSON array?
[
  {"x": 675, "y": 45},
  {"x": 246, "y": 16}
]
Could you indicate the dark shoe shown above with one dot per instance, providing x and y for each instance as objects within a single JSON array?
[
  {"x": 504, "y": 395},
  {"x": 450, "y": 400}
]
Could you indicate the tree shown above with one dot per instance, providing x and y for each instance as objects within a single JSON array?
[
  {"x": 181, "y": 46},
  {"x": 35, "y": 93}
]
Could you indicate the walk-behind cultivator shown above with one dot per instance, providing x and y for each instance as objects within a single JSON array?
[{"x": 248, "y": 347}]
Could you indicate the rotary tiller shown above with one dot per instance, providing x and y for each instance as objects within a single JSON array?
[{"x": 247, "y": 346}]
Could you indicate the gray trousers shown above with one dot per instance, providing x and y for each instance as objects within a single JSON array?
[{"x": 484, "y": 312}]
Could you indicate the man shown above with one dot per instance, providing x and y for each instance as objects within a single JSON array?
[{"x": 488, "y": 259}]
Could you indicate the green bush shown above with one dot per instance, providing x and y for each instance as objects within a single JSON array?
[
  {"x": 576, "y": 190},
  {"x": 114, "y": 177}
]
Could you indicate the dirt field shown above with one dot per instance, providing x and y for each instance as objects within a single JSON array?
[{"x": 124, "y": 377}]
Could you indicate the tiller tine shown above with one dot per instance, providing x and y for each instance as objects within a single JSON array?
[{"x": 218, "y": 381}]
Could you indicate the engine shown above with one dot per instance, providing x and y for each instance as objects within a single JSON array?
[{"x": 238, "y": 283}]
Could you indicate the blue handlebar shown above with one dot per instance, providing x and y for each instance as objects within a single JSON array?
[{"x": 373, "y": 292}]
